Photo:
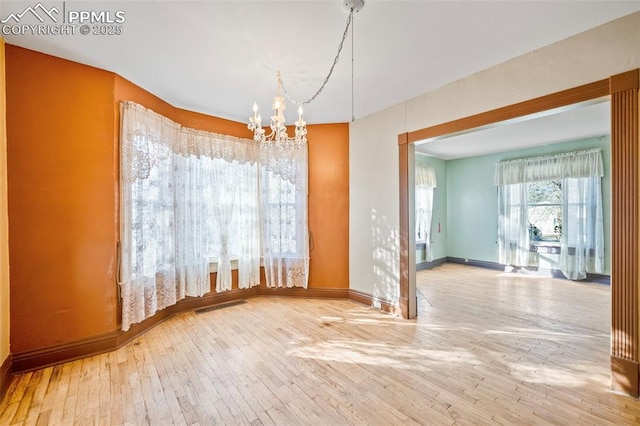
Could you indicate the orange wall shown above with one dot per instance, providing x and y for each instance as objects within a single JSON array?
[
  {"x": 329, "y": 205},
  {"x": 61, "y": 179},
  {"x": 63, "y": 130},
  {"x": 4, "y": 221}
]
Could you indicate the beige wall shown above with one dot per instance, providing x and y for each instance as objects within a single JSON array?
[
  {"x": 373, "y": 152},
  {"x": 4, "y": 237}
]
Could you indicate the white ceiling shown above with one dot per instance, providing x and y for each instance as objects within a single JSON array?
[
  {"x": 217, "y": 57},
  {"x": 563, "y": 125}
]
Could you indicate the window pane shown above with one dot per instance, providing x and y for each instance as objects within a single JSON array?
[
  {"x": 545, "y": 211},
  {"x": 545, "y": 192},
  {"x": 545, "y": 223},
  {"x": 282, "y": 231}
]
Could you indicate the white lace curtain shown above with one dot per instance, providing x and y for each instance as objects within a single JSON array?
[
  {"x": 582, "y": 238},
  {"x": 187, "y": 198},
  {"x": 425, "y": 184},
  {"x": 285, "y": 235}
]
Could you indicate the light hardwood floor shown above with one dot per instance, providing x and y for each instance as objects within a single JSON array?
[{"x": 487, "y": 348}]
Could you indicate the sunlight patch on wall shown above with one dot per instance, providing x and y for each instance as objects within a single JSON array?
[{"x": 386, "y": 258}]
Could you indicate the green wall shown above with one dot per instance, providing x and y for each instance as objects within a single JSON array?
[
  {"x": 471, "y": 201},
  {"x": 439, "y": 245}
]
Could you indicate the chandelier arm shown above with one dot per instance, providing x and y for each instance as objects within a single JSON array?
[{"x": 335, "y": 62}]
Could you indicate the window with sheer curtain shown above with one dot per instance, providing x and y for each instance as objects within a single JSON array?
[
  {"x": 190, "y": 199},
  {"x": 284, "y": 184},
  {"x": 566, "y": 188},
  {"x": 425, "y": 185}
]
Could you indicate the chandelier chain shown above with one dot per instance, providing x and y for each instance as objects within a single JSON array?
[
  {"x": 335, "y": 62},
  {"x": 353, "y": 115}
]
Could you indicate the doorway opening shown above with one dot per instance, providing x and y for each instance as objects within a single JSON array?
[{"x": 622, "y": 91}]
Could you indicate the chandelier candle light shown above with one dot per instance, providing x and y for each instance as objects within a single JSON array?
[{"x": 278, "y": 128}]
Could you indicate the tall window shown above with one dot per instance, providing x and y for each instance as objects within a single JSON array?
[
  {"x": 552, "y": 198},
  {"x": 285, "y": 234},
  {"x": 281, "y": 211},
  {"x": 425, "y": 176},
  {"x": 544, "y": 211}
]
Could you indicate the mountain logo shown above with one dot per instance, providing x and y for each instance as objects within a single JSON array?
[{"x": 39, "y": 11}]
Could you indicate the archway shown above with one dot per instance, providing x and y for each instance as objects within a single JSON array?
[{"x": 623, "y": 90}]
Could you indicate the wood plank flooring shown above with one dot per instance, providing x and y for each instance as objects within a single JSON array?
[{"x": 487, "y": 348}]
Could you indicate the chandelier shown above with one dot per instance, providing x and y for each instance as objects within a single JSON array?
[{"x": 278, "y": 127}]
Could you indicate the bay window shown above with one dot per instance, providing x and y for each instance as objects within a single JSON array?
[{"x": 189, "y": 198}]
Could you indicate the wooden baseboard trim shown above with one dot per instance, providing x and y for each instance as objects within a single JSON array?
[
  {"x": 599, "y": 279},
  {"x": 591, "y": 278},
  {"x": 5, "y": 375},
  {"x": 555, "y": 273},
  {"x": 375, "y": 302},
  {"x": 624, "y": 376},
  {"x": 324, "y": 293},
  {"x": 431, "y": 264},
  {"x": 479, "y": 263},
  {"x": 45, "y": 357}
]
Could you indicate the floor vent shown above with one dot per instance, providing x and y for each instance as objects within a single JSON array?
[{"x": 219, "y": 306}]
